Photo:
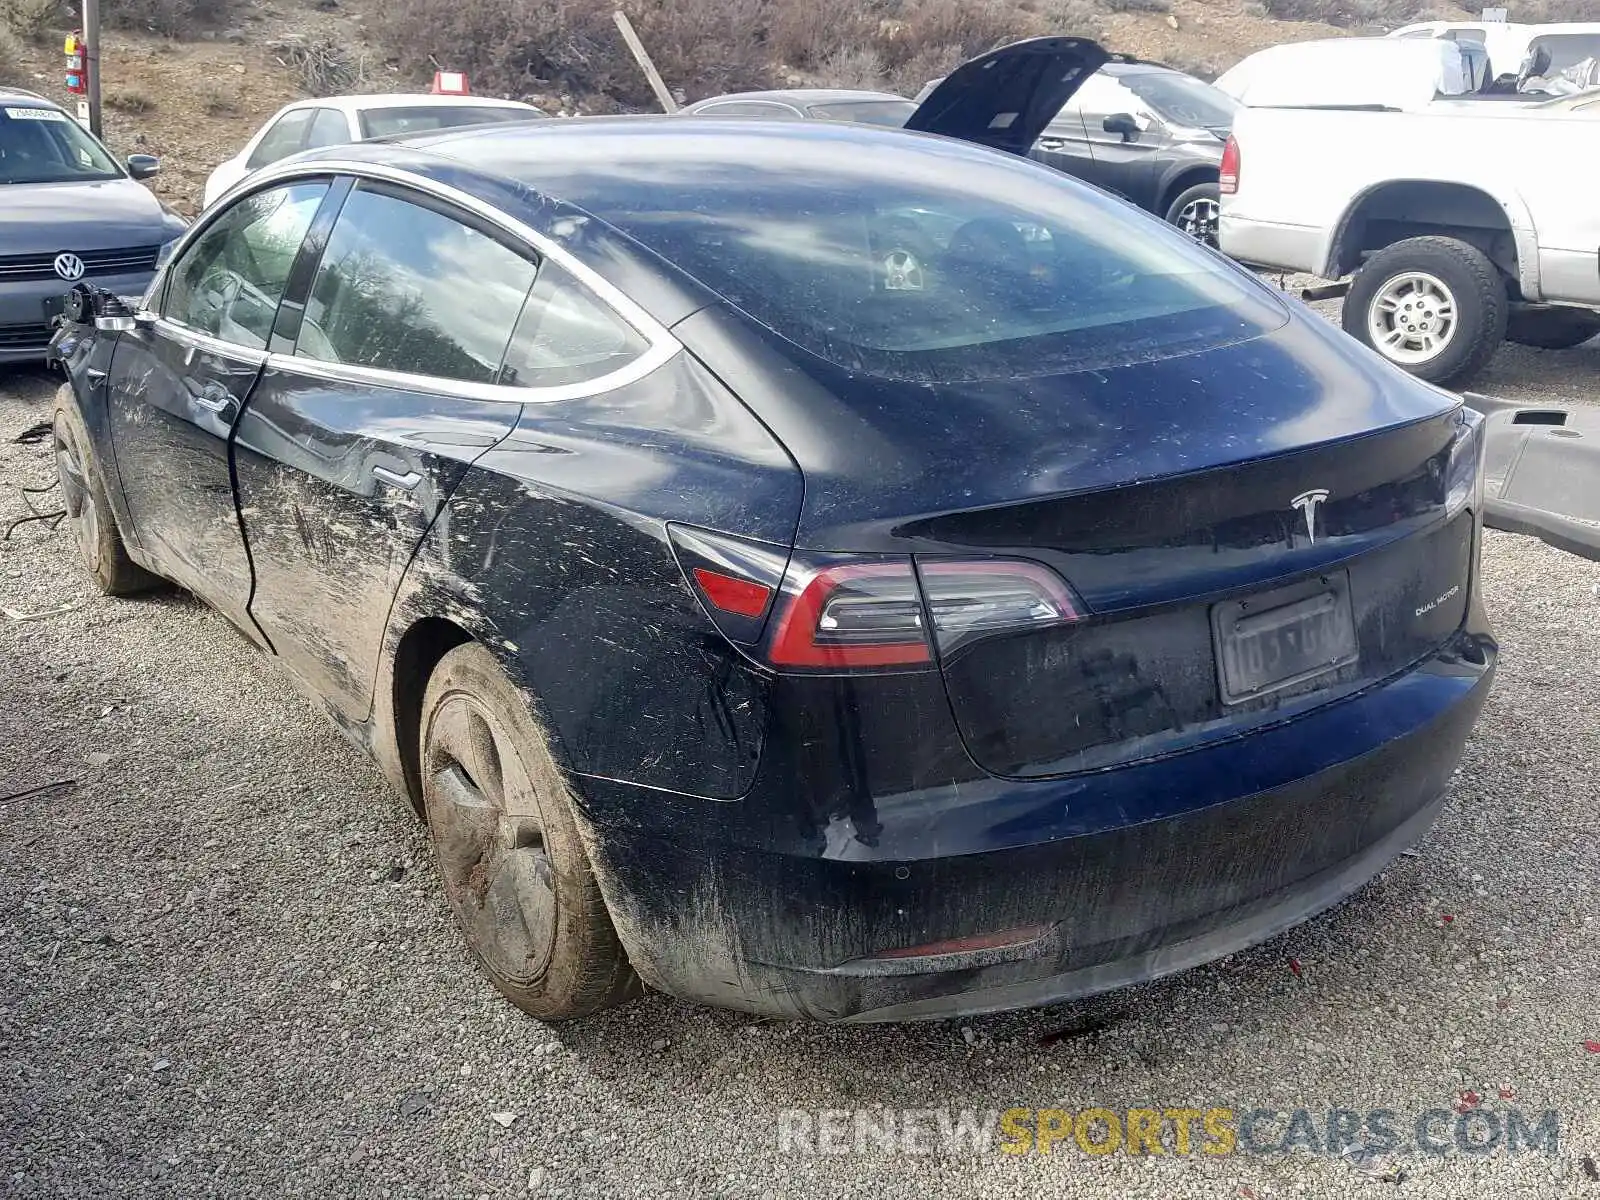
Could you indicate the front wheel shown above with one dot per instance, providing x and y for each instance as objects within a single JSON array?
[
  {"x": 516, "y": 875},
  {"x": 1432, "y": 305},
  {"x": 89, "y": 516},
  {"x": 1196, "y": 211}
]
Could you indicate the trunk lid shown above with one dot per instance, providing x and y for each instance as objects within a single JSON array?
[{"x": 1005, "y": 98}]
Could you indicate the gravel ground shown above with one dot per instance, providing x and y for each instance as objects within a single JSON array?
[{"x": 225, "y": 968}]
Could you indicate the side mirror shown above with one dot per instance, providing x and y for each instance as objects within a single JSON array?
[
  {"x": 1123, "y": 123},
  {"x": 142, "y": 166}
]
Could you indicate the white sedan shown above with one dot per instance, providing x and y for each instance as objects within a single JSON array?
[{"x": 332, "y": 120}]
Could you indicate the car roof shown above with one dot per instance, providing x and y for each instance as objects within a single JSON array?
[
  {"x": 378, "y": 100},
  {"x": 1116, "y": 69},
  {"x": 34, "y": 99},
  {"x": 804, "y": 96}
]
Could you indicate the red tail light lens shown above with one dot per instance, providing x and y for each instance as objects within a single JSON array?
[
  {"x": 863, "y": 615},
  {"x": 856, "y": 615},
  {"x": 1228, "y": 179},
  {"x": 730, "y": 594}
]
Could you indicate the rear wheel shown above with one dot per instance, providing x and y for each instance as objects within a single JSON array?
[
  {"x": 83, "y": 495},
  {"x": 516, "y": 875},
  {"x": 1552, "y": 328},
  {"x": 1433, "y": 305},
  {"x": 1195, "y": 211}
]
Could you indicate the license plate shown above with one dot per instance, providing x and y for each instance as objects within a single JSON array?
[{"x": 1283, "y": 638}]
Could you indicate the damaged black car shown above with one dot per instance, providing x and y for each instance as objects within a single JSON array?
[{"x": 802, "y": 567}]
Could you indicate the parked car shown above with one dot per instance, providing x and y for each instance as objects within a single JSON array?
[
  {"x": 68, "y": 211},
  {"x": 1147, "y": 133},
  {"x": 1457, "y": 226},
  {"x": 335, "y": 120},
  {"x": 817, "y": 104},
  {"x": 1377, "y": 71},
  {"x": 1510, "y": 45},
  {"x": 789, "y": 621}
]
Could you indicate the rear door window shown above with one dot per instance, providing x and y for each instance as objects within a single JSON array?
[
  {"x": 328, "y": 128},
  {"x": 566, "y": 336},
  {"x": 405, "y": 287},
  {"x": 287, "y": 135},
  {"x": 230, "y": 279}
]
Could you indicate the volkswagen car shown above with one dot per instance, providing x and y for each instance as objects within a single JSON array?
[
  {"x": 68, "y": 212},
  {"x": 798, "y": 566}
]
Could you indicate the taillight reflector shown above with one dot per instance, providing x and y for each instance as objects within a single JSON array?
[{"x": 731, "y": 594}]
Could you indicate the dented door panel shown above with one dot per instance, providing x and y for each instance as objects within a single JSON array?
[
  {"x": 338, "y": 484},
  {"x": 173, "y": 399}
]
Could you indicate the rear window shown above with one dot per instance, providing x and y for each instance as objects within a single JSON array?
[
  {"x": 41, "y": 144},
  {"x": 902, "y": 264},
  {"x": 892, "y": 113},
  {"x": 388, "y": 122}
]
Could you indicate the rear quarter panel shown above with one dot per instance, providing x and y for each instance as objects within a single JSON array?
[{"x": 553, "y": 553}]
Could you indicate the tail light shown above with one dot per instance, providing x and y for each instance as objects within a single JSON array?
[
  {"x": 1464, "y": 470},
  {"x": 1228, "y": 179},
  {"x": 860, "y": 615}
]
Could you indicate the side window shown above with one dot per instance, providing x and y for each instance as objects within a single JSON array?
[
  {"x": 328, "y": 128},
  {"x": 751, "y": 108},
  {"x": 229, "y": 281},
  {"x": 406, "y": 288},
  {"x": 566, "y": 335},
  {"x": 286, "y": 136}
]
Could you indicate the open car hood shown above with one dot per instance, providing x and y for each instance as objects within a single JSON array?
[{"x": 1005, "y": 98}]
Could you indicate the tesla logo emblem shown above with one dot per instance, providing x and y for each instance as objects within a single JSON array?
[
  {"x": 1308, "y": 503},
  {"x": 69, "y": 266}
]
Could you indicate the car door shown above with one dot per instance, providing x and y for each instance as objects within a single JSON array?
[
  {"x": 1122, "y": 159},
  {"x": 380, "y": 394},
  {"x": 180, "y": 378},
  {"x": 1064, "y": 144}
]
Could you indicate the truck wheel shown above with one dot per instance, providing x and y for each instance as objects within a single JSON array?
[
  {"x": 89, "y": 516},
  {"x": 1433, "y": 305},
  {"x": 1195, "y": 211},
  {"x": 1552, "y": 328},
  {"x": 516, "y": 875}
]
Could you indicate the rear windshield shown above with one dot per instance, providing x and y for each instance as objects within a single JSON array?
[
  {"x": 893, "y": 113},
  {"x": 387, "y": 122},
  {"x": 921, "y": 262},
  {"x": 43, "y": 145}
]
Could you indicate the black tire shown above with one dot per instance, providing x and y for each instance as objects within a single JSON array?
[
  {"x": 89, "y": 515},
  {"x": 1474, "y": 286},
  {"x": 1552, "y": 328},
  {"x": 1201, "y": 225},
  {"x": 516, "y": 875}
]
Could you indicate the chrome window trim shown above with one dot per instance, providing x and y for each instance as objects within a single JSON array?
[
  {"x": 661, "y": 345},
  {"x": 205, "y": 342}
]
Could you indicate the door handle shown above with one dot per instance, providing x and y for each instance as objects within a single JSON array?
[
  {"x": 214, "y": 399},
  {"x": 406, "y": 483},
  {"x": 1052, "y": 144},
  {"x": 94, "y": 375}
]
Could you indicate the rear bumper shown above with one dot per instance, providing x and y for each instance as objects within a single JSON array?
[
  {"x": 1270, "y": 244},
  {"x": 25, "y": 328},
  {"x": 1261, "y": 834}
]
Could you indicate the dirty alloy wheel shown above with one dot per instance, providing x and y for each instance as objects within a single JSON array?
[
  {"x": 89, "y": 516},
  {"x": 1433, "y": 305},
  {"x": 516, "y": 875},
  {"x": 1552, "y": 328},
  {"x": 1196, "y": 211}
]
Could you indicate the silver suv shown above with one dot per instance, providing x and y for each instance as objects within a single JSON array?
[{"x": 68, "y": 211}]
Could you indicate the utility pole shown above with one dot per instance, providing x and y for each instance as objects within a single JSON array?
[
  {"x": 641, "y": 56},
  {"x": 91, "y": 61}
]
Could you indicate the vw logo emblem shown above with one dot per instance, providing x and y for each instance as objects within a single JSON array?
[{"x": 69, "y": 266}]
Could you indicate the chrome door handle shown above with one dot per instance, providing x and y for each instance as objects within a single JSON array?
[
  {"x": 94, "y": 375},
  {"x": 406, "y": 483},
  {"x": 214, "y": 400},
  {"x": 1052, "y": 144}
]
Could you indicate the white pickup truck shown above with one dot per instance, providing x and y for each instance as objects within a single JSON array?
[{"x": 1457, "y": 222}]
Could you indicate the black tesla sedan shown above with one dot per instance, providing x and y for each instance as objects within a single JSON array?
[{"x": 804, "y": 567}]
